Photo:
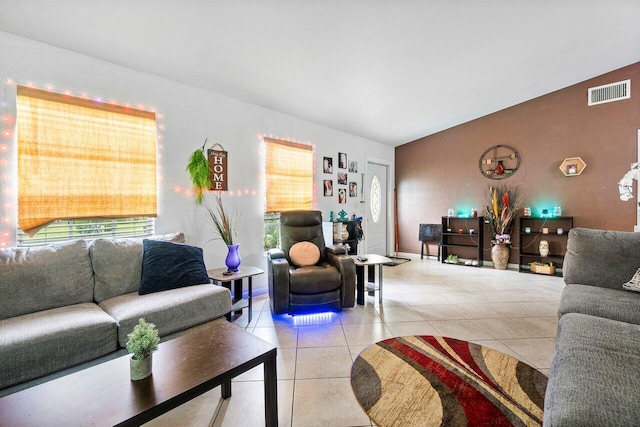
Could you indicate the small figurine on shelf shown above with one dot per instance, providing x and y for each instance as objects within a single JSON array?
[
  {"x": 342, "y": 216},
  {"x": 331, "y": 216}
]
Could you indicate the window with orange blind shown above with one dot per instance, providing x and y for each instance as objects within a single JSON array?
[
  {"x": 80, "y": 159},
  {"x": 289, "y": 184},
  {"x": 289, "y": 176}
]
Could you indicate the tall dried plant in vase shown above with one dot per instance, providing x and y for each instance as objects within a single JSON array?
[
  {"x": 226, "y": 226},
  {"x": 504, "y": 203}
]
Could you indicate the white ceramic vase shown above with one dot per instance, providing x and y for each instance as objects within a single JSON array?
[
  {"x": 140, "y": 369},
  {"x": 544, "y": 248}
]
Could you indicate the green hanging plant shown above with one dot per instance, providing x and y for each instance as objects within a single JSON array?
[{"x": 200, "y": 172}]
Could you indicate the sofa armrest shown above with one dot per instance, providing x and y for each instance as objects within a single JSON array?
[
  {"x": 336, "y": 249},
  {"x": 600, "y": 257},
  {"x": 276, "y": 254},
  {"x": 347, "y": 269},
  {"x": 278, "y": 281}
]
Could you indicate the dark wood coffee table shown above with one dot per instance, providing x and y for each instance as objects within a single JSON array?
[{"x": 183, "y": 368}]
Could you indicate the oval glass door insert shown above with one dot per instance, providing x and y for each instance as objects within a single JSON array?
[{"x": 375, "y": 197}]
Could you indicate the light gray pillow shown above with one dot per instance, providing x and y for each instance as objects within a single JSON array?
[
  {"x": 45, "y": 277},
  {"x": 117, "y": 264}
]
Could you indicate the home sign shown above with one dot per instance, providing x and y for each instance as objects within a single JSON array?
[{"x": 218, "y": 164}]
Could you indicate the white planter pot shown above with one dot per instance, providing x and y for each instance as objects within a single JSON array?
[{"x": 140, "y": 369}]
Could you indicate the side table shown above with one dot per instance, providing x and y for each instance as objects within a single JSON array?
[
  {"x": 219, "y": 278},
  {"x": 371, "y": 261}
]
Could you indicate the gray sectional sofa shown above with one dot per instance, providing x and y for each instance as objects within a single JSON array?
[
  {"x": 71, "y": 303},
  {"x": 595, "y": 371}
]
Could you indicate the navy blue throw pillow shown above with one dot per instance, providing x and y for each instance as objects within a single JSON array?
[{"x": 167, "y": 265}]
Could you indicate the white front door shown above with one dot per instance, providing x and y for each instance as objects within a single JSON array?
[{"x": 375, "y": 229}]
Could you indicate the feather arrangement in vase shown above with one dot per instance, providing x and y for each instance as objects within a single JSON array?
[{"x": 504, "y": 203}]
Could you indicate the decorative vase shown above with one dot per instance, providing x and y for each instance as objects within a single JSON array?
[
  {"x": 500, "y": 255},
  {"x": 140, "y": 369},
  {"x": 344, "y": 233},
  {"x": 544, "y": 248},
  {"x": 233, "y": 258}
]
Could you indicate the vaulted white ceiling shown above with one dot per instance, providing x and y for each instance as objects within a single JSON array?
[{"x": 390, "y": 71}]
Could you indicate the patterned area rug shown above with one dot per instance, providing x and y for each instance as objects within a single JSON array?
[{"x": 433, "y": 381}]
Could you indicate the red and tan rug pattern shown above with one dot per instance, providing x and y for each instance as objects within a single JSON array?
[{"x": 439, "y": 381}]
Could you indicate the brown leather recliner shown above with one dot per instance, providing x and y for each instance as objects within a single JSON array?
[{"x": 329, "y": 285}]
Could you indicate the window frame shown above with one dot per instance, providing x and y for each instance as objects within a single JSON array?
[
  {"x": 92, "y": 227},
  {"x": 271, "y": 235}
]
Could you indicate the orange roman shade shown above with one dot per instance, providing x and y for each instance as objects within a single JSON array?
[
  {"x": 78, "y": 158},
  {"x": 289, "y": 169}
]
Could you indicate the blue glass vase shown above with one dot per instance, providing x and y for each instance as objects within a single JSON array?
[{"x": 233, "y": 258}]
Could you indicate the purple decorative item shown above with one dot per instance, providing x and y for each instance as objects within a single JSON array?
[{"x": 233, "y": 258}]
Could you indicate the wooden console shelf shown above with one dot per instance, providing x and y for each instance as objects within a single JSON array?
[
  {"x": 530, "y": 241},
  {"x": 457, "y": 238}
]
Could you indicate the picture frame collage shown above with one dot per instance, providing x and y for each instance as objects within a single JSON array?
[{"x": 345, "y": 188}]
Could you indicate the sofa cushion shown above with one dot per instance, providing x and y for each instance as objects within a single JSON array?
[
  {"x": 594, "y": 373},
  {"x": 117, "y": 264},
  {"x": 171, "y": 310},
  {"x": 36, "y": 279},
  {"x": 168, "y": 265},
  {"x": 314, "y": 279},
  {"x": 614, "y": 304},
  {"x": 40, "y": 343},
  {"x": 600, "y": 257}
]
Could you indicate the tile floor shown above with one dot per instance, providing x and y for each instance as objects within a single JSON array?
[{"x": 509, "y": 311}]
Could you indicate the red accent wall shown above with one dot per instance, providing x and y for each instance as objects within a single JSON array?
[{"x": 441, "y": 171}]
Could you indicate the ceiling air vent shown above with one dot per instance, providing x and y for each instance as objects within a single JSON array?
[{"x": 609, "y": 93}]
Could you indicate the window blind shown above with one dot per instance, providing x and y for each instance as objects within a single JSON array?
[
  {"x": 80, "y": 159},
  {"x": 289, "y": 169}
]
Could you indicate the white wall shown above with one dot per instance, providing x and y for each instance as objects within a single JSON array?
[{"x": 189, "y": 115}]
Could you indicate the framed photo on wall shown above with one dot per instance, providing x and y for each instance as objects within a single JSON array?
[
  {"x": 353, "y": 166},
  {"x": 342, "y": 160},
  {"x": 353, "y": 189},
  {"x": 327, "y": 164},
  {"x": 328, "y": 187},
  {"x": 342, "y": 178},
  {"x": 342, "y": 195}
]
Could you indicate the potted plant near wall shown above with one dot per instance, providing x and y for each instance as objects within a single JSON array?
[
  {"x": 500, "y": 213},
  {"x": 225, "y": 225},
  {"x": 143, "y": 341}
]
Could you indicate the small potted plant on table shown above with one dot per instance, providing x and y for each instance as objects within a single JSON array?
[{"x": 143, "y": 341}]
